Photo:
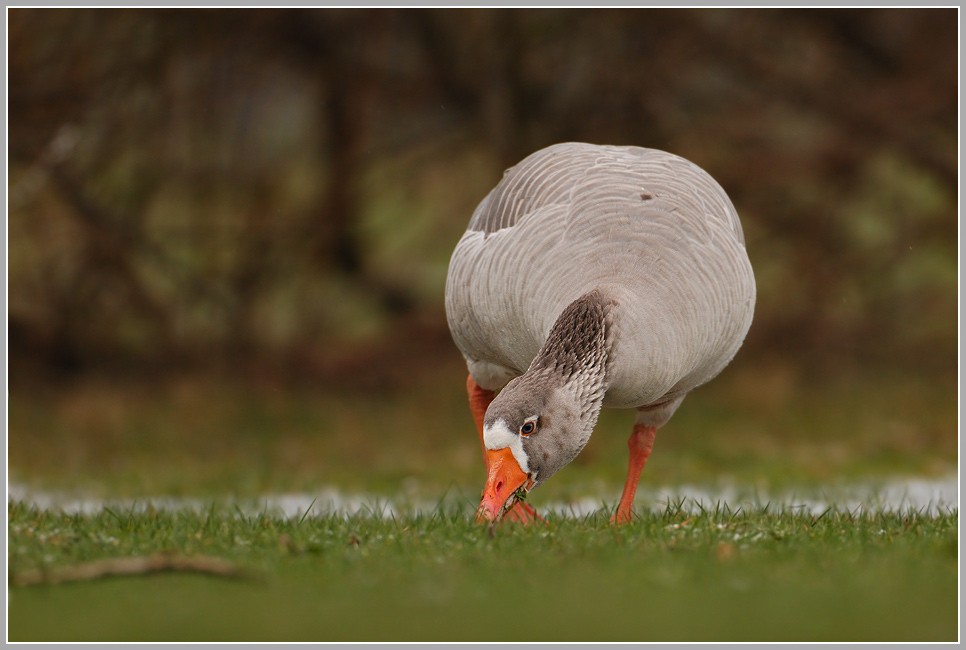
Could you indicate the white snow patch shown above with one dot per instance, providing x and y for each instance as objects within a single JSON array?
[{"x": 929, "y": 496}]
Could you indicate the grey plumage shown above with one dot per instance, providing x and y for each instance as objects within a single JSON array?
[
  {"x": 562, "y": 389},
  {"x": 617, "y": 275}
]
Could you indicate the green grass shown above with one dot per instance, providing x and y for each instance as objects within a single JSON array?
[
  {"x": 206, "y": 437},
  {"x": 746, "y": 575},
  {"x": 676, "y": 575}
]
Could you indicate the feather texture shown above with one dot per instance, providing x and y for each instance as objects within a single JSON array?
[{"x": 651, "y": 232}]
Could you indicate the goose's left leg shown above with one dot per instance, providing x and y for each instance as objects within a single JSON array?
[{"x": 640, "y": 445}]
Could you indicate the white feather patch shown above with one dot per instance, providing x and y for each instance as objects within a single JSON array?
[{"x": 498, "y": 436}]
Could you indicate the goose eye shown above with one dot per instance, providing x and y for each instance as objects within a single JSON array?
[{"x": 527, "y": 428}]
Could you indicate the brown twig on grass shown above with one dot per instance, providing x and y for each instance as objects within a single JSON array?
[{"x": 127, "y": 566}]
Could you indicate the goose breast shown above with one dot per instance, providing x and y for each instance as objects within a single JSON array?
[{"x": 653, "y": 232}]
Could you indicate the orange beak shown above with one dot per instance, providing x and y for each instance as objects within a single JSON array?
[{"x": 503, "y": 480}]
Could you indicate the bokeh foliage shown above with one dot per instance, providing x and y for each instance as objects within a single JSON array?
[{"x": 280, "y": 189}]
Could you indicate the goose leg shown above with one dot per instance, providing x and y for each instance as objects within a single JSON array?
[
  {"x": 640, "y": 444},
  {"x": 480, "y": 399}
]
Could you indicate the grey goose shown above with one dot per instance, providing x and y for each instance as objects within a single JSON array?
[{"x": 591, "y": 276}]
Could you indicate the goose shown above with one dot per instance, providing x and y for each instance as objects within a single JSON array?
[{"x": 591, "y": 276}]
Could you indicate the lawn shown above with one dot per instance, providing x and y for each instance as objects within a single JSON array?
[
  {"x": 762, "y": 425},
  {"x": 739, "y": 571},
  {"x": 676, "y": 575}
]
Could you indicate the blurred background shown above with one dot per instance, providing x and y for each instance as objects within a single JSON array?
[{"x": 228, "y": 232}]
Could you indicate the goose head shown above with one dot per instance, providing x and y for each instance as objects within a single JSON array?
[{"x": 542, "y": 420}]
